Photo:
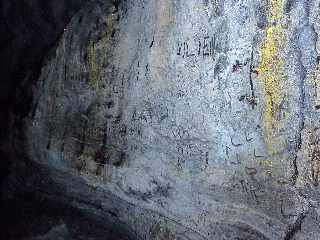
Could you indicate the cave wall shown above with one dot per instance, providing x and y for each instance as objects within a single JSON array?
[
  {"x": 185, "y": 119},
  {"x": 28, "y": 29}
]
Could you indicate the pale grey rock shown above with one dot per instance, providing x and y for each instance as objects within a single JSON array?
[{"x": 186, "y": 119}]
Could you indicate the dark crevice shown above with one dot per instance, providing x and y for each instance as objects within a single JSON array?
[
  {"x": 302, "y": 103},
  {"x": 295, "y": 227},
  {"x": 253, "y": 97},
  {"x": 303, "y": 70}
]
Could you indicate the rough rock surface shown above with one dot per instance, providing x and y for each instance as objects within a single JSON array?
[
  {"x": 185, "y": 119},
  {"x": 28, "y": 29}
]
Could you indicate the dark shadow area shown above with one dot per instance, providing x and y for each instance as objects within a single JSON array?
[
  {"x": 28, "y": 30},
  {"x": 32, "y": 217}
]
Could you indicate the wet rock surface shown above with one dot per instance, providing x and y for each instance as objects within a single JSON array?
[{"x": 181, "y": 119}]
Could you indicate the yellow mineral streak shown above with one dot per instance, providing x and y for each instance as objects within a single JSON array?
[
  {"x": 93, "y": 66},
  {"x": 106, "y": 38},
  {"x": 271, "y": 73},
  {"x": 96, "y": 60},
  {"x": 97, "y": 53}
]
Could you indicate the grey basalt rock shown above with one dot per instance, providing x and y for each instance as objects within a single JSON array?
[{"x": 200, "y": 117}]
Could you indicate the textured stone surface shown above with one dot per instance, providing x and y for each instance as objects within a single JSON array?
[
  {"x": 192, "y": 119},
  {"x": 28, "y": 29}
]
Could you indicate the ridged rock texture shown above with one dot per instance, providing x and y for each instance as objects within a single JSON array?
[{"x": 184, "y": 119}]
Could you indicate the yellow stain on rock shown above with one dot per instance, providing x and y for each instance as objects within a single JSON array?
[
  {"x": 96, "y": 60},
  {"x": 93, "y": 66},
  {"x": 271, "y": 73},
  {"x": 98, "y": 52}
]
